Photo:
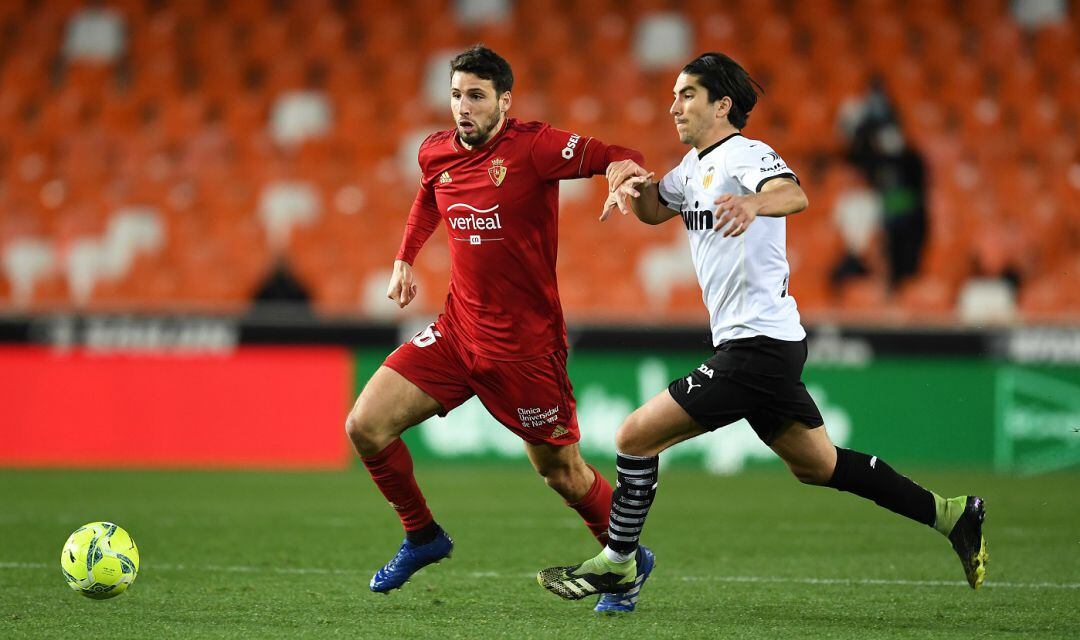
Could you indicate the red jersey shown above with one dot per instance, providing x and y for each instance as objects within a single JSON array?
[{"x": 500, "y": 202}]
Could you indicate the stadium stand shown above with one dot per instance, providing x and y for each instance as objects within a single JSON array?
[{"x": 158, "y": 155}]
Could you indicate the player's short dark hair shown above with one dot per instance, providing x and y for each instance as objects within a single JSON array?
[
  {"x": 721, "y": 76},
  {"x": 486, "y": 65}
]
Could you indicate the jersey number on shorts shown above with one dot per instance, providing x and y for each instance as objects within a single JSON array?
[{"x": 427, "y": 336}]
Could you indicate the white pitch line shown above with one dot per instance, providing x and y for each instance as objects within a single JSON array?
[
  {"x": 496, "y": 574},
  {"x": 877, "y": 582}
]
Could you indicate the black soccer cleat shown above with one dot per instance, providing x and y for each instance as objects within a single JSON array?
[
  {"x": 969, "y": 543},
  {"x": 596, "y": 575}
]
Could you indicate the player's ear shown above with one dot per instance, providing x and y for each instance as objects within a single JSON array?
[
  {"x": 723, "y": 107},
  {"x": 504, "y": 101}
]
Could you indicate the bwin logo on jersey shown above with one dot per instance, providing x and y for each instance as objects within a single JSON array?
[{"x": 697, "y": 220}]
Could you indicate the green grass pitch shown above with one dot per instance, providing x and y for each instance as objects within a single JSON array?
[{"x": 250, "y": 555}]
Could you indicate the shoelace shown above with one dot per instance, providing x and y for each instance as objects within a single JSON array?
[{"x": 398, "y": 557}]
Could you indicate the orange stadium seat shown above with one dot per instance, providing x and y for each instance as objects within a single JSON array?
[
  {"x": 864, "y": 298},
  {"x": 927, "y": 297}
]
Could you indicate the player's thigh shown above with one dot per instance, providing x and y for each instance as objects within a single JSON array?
[
  {"x": 658, "y": 424},
  {"x": 421, "y": 378},
  {"x": 807, "y": 451},
  {"x": 531, "y": 398},
  {"x": 390, "y": 403},
  {"x": 730, "y": 385}
]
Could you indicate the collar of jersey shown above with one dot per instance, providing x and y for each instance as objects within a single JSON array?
[
  {"x": 704, "y": 152},
  {"x": 486, "y": 145}
]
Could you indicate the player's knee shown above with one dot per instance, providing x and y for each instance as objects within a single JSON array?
[
  {"x": 631, "y": 438},
  {"x": 815, "y": 474},
  {"x": 355, "y": 427},
  {"x": 365, "y": 432}
]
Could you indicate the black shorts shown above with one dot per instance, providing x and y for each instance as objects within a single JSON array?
[{"x": 757, "y": 378}]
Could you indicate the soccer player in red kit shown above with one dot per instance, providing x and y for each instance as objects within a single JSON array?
[{"x": 494, "y": 180}]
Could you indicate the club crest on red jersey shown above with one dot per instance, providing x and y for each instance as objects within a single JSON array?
[{"x": 497, "y": 172}]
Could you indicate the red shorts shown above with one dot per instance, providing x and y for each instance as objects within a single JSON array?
[{"x": 532, "y": 398}]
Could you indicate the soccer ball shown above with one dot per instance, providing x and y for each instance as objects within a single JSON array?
[{"x": 99, "y": 560}]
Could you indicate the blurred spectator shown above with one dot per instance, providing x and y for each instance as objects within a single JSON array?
[
  {"x": 897, "y": 173},
  {"x": 281, "y": 287},
  {"x": 1036, "y": 13},
  {"x": 857, "y": 213}
]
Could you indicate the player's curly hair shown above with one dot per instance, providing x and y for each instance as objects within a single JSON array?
[
  {"x": 721, "y": 76},
  {"x": 485, "y": 64}
]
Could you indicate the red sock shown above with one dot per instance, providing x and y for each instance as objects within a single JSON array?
[
  {"x": 392, "y": 471},
  {"x": 595, "y": 507}
]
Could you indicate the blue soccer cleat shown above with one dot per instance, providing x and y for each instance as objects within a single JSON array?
[
  {"x": 625, "y": 602},
  {"x": 409, "y": 559}
]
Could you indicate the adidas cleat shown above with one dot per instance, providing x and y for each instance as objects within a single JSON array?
[
  {"x": 409, "y": 559},
  {"x": 625, "y": 602},
  {"x": 968, "y": 541},
  {"x": 597, "y": 575}
]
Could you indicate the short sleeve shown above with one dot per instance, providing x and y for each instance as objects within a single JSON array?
[
  {"x": 673, "y": 188},
  {"x": 754, "y": 165}
]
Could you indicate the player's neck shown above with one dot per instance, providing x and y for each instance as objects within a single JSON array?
[
  {"x": 496, "y": 130},
  {"x": 714, "y": 136}
]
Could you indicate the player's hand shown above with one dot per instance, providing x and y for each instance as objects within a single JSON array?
[
  {"x": 621, "y": 170},
  {"x": 739, "y": 211},
  {"x": 620, "y": 198},
  {"x": 402, "y": 288}
]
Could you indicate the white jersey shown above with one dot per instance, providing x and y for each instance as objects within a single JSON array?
[{"x": 744, "y": 279}]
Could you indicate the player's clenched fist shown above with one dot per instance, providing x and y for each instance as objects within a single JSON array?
[
  {"x": 740, "y": 211},
  {"x": 402, "y": 288}
]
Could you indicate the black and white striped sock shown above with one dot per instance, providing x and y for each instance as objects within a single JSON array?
[{"x": 634, "y": 494}]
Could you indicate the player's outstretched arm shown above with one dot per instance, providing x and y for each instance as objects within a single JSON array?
[
  {"x": 642, "y": 196},
  {"x": 402, "y": 287}
]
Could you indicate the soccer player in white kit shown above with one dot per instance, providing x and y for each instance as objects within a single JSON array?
[{"x": 732, "y": 195}]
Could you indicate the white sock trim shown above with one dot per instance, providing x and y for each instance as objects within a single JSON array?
[{"x": 615, "y": 556}]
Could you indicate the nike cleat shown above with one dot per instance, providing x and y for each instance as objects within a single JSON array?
[
  {"x": 968, "y": 541},
  {"x": 597, "y": 575},
  {"x": 409, "y": 559},
  {"x": 625, "y": 602}
]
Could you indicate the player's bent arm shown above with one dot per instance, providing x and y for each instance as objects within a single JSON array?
[
  {"x": 647, "y": 207},
  {"x": 781, "y": 197}
]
